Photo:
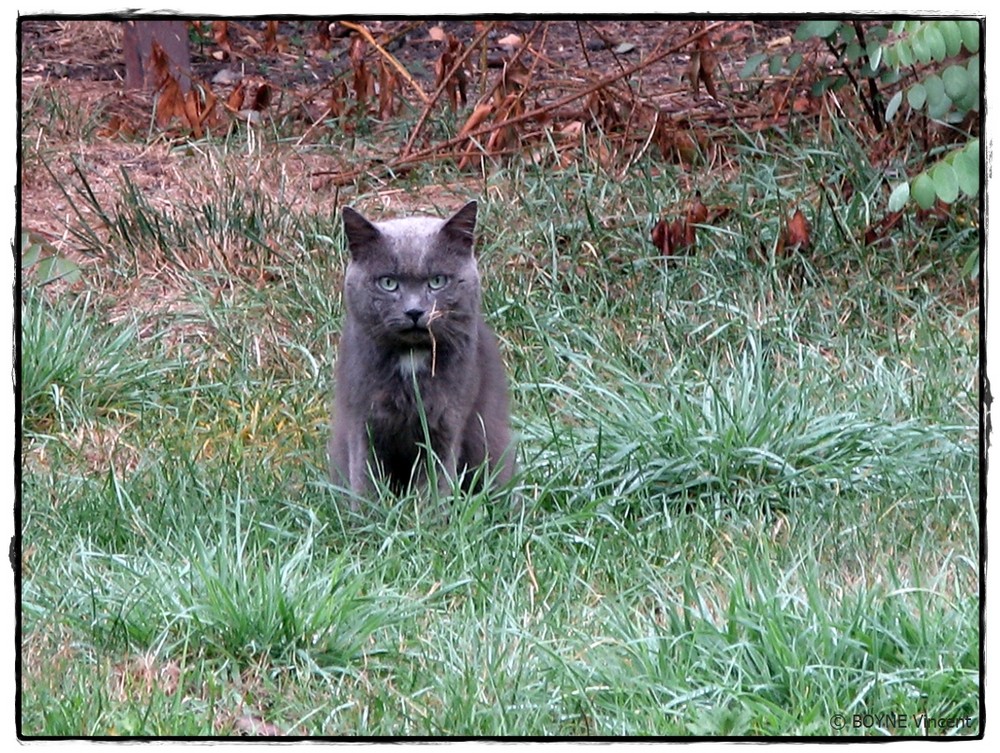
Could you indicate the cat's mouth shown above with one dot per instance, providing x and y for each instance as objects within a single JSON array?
[{"x": 414, "y": 334}]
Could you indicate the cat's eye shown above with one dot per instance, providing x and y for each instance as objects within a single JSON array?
[
  {"x": 388, "y": 284},
  {"x": 437, "y": 282}
]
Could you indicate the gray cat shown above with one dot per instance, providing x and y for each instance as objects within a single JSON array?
[{"x": 414, "y": 336}]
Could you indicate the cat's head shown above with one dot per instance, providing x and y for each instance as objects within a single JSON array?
[{"x": 413, "y": 281}]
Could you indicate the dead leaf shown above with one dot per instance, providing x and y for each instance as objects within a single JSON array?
[
  {"x": 879, "y": 231},
  {"x": 272, "y": 42},
  {"x": 797, "y": 232},
  {"x": 514, "y": 78},
  {"x": 672, "y": 238},
  {"x": 118, "y": 125},
  {"x": 387, "y": 85},
  {"x": 454, "y": 81},
  {"x": 254, "y": 726},
  {"x": 220, "y": 33},
  {"x": 323, "y": 39},
  {"x": 337, "y": 104},
  {"x": 437, "y": 34},
  {"x": 364, "y": 84},
  {"x": 479, "y": 114},
  {"x": 697, "y": 213},
  {"x": 511, "y": 41},
  {"x": 702, "y": 67},
  {"x": 572, "y": 130},
  {"x": 199, "y": 108},
  {"x": 506, "y": 137}
]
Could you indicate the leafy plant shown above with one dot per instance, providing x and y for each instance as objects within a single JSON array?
[
  {"x": 49, "y": 264},
  {"x": 944, "y": 55},
  {"x": 941, "y": 54}
]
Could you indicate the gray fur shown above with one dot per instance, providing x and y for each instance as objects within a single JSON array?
[{"x": 412, "y": 294}]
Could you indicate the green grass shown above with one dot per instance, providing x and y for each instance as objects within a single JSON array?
[{"x": 750, "y": 495}]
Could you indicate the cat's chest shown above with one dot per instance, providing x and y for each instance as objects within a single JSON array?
[{"x": 413, "y": 363}]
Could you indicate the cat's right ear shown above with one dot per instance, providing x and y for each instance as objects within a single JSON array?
[{"x": 359, "y": 231}]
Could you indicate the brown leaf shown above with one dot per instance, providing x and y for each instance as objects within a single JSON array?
[
  {"x": 705, "y": 67},
  {"x": 600, "y": 106},
  {"x": 688, "y": 235},
  {"x": 200, "y": 111},
  {"x": 337, "y": 103},
  {"x": 356, "y": 51},
  {"x": 659, "y": 236},
  {"x": 387, "y": 85},
  {"x": 674, "y": 238},
  {"x": 323, "y": 39},
  {"x": 169, "y": 103},
  {"x": 220, "y": 33},
  {"x": 441, "y": 67},
  {"x": 506, "y": 137},
  {"x": 255, "y": 726},
  {"x": 697, "y": 213},
  {"x": 454, "y": 82},
  {"x": 878, "y": 232},
  {"x": 159, "y": 62},
  {"x": 252, "y": 93},
  {"x": 234, "y": 102},
  {"x": 479, "y": 114},
  {"x": 511, "y": 40},
  {"x": 797, "y": 232},
  {"x": 118, "y": 125},
  {"x": 364, "y": 84},
  {"x": 272, "y": 42}
]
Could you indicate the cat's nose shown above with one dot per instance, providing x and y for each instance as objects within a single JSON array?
[{"x": 415, "y": 314}]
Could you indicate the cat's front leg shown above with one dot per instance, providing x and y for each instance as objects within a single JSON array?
[
  {"x": 448, "y": 473},
  {"x": 358, "y": 468}
]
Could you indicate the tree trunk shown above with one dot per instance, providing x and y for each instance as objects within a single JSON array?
[{"x": 172, "y": 36}]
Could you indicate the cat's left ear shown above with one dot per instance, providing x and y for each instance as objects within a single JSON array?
[
  {"x": 359, "y": 231},
  {"x": 461, "y": 226}
]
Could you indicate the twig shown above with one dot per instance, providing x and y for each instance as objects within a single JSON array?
[
  {"x": 387, "y": 55},
  {"x": 430, "y": 102},
  {"x": 432, "y": 151},
  {"x": 583, "y": 45},
  {"x": 433, "y": 316},
  {"x": 514, "y": 59}
]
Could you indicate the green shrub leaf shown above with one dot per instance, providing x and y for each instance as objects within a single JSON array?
[
  {"x": 945, "y": 182},
  {"x": 923, "y": 191},
  {"x": 966, "y": 165},
  {"x": 874, "y": 51},
  {"x": 893, "y": 106},
  {"x": 917, "y": 96},
  {"x": 956, "y": 81},
  {"x": 970, "y": 35},
  {"x": 952, "y": 36},
  {"x": 899, "y": 196},
  {"x": 921, "y": 50},
  {"x": 821, "y": 29},
  {"x": 752, "y": 64},
  {"x": 904, "y": 53},
  {"x": 935, "y": 43}
]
